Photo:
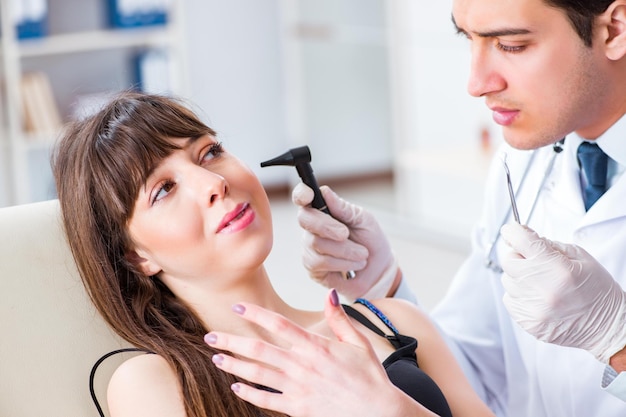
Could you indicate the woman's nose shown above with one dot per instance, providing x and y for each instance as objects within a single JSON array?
[
  {"x": 209, "y": 186},
  {"x": 217, "y": 189}
]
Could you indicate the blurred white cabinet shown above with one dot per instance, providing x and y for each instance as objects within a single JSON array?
[{"x": 82, "y": 57}]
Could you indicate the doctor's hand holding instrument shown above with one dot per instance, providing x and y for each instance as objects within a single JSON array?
[
  {"x": 301, "y": 159},
  {"x": 350, "y": 240},
  {"x": 560, "y": 294}
]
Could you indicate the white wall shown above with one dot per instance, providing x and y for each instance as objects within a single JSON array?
[
  {"x": 266, "y": 84},
  {"x": 440, "y": 162},
  {"x": 235, "y": 69},
  {"x": 342, "y": 48}
]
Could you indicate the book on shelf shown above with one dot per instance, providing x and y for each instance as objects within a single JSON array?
[
  {"x": 137, "y": 13},
  {"x": 41, "y": 114},
  {"x": 30, "y": 17}
]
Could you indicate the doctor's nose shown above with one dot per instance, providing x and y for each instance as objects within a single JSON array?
[{"x": 484, "y": 78}]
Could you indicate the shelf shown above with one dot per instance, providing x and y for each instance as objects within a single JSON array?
[
  {"x": 93, "y": 41},
  {"x": 59, "y": 58}
]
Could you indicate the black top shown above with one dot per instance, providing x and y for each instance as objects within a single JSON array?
[{"x": 401, "y": 366}]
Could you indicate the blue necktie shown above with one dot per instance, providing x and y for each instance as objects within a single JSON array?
[{"x": 594, "y": 163}]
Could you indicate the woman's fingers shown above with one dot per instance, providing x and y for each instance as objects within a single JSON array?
[
  {"x": 291, "y": 384},
  {"x": 247, "y": 347},
  {"x": 255, "y": 372},
  {"x": 340, "y": 323},
  {"x": 261, "y": 398},
  {"x": 262, "y": 362},
  {"x": 276, "y": 324},
  {"x": 262, "y": 395},
  {"x": 309, "y": 370}
]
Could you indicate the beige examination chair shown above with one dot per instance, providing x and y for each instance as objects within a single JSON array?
[{"x": 50, "y": 335}]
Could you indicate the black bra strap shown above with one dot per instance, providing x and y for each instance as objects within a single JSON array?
[
  {"x": 355, "y": 314},
  {"x": 92, "y": 374}
]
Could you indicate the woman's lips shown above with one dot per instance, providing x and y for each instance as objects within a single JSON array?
[
  {"x": 236, "y": 220},
  {"x": 504, "y": 117}
]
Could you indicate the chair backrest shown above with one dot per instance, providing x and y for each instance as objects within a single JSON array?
[{"x": 50, "y": 334}]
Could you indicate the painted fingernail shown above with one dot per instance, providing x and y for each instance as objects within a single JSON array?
[
  {"x": 217, "y": 359},
  {"x": 235, "y": 387},
  {"x": 239, "y": 309},
  {"x": 210, "y": 338},
  {"x": 334, "y": 298}
]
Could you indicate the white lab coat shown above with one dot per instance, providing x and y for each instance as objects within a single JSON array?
[{"x": 513, "y": 372}]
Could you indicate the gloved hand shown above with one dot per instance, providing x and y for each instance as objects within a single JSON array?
[
  {"x": 350, "y": 239},
  {"x": 560, "y": 294}
]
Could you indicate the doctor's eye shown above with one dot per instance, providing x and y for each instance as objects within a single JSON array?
[{"x": 510, "y": 48}]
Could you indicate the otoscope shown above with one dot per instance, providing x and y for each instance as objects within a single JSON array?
[{"x": 301, "y": 158}]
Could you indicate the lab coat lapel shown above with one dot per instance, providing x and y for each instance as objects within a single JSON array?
[
  {"x": 563, "y": 192},
  {"x": 566, "y": 191},
  {"x": 610, "y": 206}
]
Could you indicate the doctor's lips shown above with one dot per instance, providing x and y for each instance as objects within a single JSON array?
[
  {"x": 503, "y": 116},
  {"x": 237, "y": 219}
]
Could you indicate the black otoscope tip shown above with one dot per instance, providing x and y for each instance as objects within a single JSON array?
[
  {"x": 301, "y": 158},
  {"x": 292, "y": 157}
]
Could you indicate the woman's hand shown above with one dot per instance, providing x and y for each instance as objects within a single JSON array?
[{"x": 315, "y": 375}]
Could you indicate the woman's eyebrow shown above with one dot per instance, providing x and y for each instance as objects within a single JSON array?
[{"x": 191, "y": 140}]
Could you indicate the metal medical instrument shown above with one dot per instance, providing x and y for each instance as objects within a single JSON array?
[
  {"x": 510, "y": 187},
  {"x": 491, "y": 259}
]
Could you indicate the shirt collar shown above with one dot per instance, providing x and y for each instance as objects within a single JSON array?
[{"x": 612, "y": 142}]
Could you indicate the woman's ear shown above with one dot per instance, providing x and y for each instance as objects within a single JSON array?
[
  {"x": 613, "y": 21},
  {"x": 146, "y": 266}
]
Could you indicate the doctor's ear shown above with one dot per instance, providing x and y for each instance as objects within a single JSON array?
[
  {"x": 146, "y": 266},
  {"x": 613, "y": 22}
]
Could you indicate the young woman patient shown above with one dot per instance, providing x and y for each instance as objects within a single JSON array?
[{"x": 170, "y": 232}]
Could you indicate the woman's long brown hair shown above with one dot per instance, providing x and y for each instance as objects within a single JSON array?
[{"x": 99, "y": 165}]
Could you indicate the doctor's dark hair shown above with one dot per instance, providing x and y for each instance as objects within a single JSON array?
[
  {"x": 582, "y": 14},
  {"x": 99, "y": 166}
]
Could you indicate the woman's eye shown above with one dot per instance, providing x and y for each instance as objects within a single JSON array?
[
  {"x": 162, "y": 191},
  {"x": 213, "y": 151}
]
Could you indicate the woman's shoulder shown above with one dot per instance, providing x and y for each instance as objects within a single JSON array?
[
  {"x": 397, "y": 306},
  {"x": 145, "y": 384},
  {"x": 404, "y": 315},
  {"x": 144, "y": 365}
]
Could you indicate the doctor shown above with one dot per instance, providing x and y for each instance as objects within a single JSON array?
[{"x": 548, "y": 69}]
